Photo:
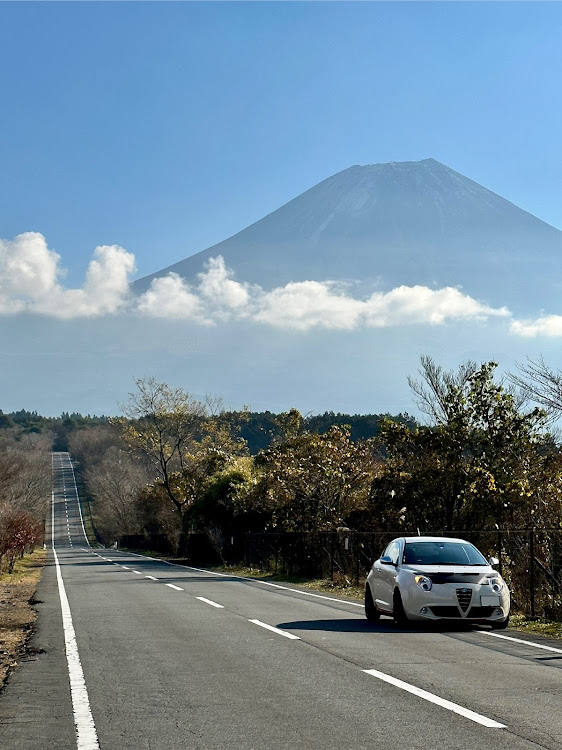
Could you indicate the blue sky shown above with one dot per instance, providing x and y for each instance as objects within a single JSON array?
[
  {"x": 166, "y": 127},
  {"x": 163, "y": 128}
]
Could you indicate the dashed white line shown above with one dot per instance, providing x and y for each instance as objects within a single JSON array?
[
  {"x": 137, "y": 572},
  {"x": 449, "y": 705},
  {"x": 275, "y": 630},
  {"x": 208, "y": 601},
  {"x": 125, "y": 567},
  {"x": 268, "y": 583},
  {"x": 521, "y": 640},
  {"x": 171, "y": 585},
  {"x": 152, "y": 578}
]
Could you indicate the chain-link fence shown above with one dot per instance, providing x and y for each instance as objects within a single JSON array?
[{"x": 530, "y": 560}]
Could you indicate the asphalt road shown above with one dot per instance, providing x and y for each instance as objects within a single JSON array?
[{"x": 176, "y": 657}]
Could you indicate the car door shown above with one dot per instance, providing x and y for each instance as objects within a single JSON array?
[{"x": 385, "y": 576}]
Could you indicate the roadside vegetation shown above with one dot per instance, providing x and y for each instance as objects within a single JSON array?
[{"x": 192, "y": 480}]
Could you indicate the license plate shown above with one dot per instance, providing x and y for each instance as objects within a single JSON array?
[{"x": 490, "y": 601}]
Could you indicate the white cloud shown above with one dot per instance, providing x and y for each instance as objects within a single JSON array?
[
  {"x": 419, "y": 304},
  {"x": 222, "y": 291},
  {"x": 549, "y": 325},
  {"x": 29, "y": 280},
  {"x": 171, "y": 297},
  {"x": 305, "y": 304}
]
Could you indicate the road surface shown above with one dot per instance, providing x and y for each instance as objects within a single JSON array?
[{"x": 132, "y": 653}]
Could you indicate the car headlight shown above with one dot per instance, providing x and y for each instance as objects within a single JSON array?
[
  {"x": 497, "y": 584},
  {"x": 423, "y": 582}
]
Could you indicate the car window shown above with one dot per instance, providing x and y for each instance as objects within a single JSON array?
[
  {"x": 393, "y": 551},
  {"x": 442, "y": 553}
]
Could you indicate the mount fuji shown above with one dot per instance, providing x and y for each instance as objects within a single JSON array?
[{"x": 399, "y": 223}]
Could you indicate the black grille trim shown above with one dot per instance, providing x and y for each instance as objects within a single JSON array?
[{"x": 464, "y": 597}]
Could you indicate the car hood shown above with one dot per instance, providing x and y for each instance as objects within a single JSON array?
[{"x": 453, "y": 573}]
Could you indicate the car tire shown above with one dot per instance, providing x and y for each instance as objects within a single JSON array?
[
  {"x": 500, "y": 625},
  {"x": 371, "y": 612},
  {"x": 398, "y": 612}
]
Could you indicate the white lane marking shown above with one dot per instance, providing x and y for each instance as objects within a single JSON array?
[
  {"x": 152, "y": 578},
  {"x": 125, "y": 567},
  {"x": 243, "y": 578},
  {"x": 208, "y": 601},
  {"x": 521, "y": 640},
  {"x": 137, "y": 572},
  {"x": 86, "y": 735},
  {"x": 171, "y": 585},
  {"x": 449, "y": 705},
  {"x": 273, "y": 585},
  {"x": 275, "y": 630}
]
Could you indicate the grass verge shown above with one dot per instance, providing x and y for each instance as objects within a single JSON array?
[{"x": 17, "y": 616}]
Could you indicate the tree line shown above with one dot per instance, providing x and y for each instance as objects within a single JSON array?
[
  {"x": 25, "y": 488},
  {"x": 486, "y": 456}
]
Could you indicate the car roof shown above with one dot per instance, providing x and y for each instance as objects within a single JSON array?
[{"x": 455, "y": 540}]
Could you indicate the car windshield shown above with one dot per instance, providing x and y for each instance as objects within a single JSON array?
[{"x": 442, "y": 553}]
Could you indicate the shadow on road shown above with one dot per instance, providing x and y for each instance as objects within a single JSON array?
[{"x": 361, "y": 625}]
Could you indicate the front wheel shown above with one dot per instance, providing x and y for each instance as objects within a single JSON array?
[
  {"x": 371, "y": 612},
  {"x": 500, "y": 625},
  {"x": 399, "y": 614}
]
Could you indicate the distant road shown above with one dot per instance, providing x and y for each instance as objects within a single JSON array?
[{"x": 175, "y": 657}]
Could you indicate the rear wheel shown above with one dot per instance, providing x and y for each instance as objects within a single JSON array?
[
  {"x": 371, "y": 612},
  {"x": 400, "y": 616},
  {"x": 500, "y": 625}
]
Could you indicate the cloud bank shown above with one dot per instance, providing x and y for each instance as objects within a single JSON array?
[{"x": 30, "y": 276}]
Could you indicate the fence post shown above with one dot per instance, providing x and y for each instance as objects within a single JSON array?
[
  {"x": 532, "y": 573},
  {"x": 332, "y": 544}
]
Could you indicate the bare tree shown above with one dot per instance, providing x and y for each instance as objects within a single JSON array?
[
  {"x": 541, "y": 384},
  {"x": 162, "y": 423},
  {"x": 432, "y": 392}
]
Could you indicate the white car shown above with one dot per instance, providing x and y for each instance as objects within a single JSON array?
[{"x": 436, "y": 578}]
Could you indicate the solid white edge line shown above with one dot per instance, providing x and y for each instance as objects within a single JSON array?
[
  {"x": 449, "y": 705},
  {"x": 208, "y": 601},
  {"x": 275, "y": 630},
  {"x": 171, "y": 585},
  {"x": 522, "y": 640},
  {"x": 86, "y": 735}
]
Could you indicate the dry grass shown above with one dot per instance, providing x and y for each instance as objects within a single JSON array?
[{"x": 17, "y": 616}]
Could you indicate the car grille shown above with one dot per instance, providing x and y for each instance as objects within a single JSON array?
[
  {"x": 445, "y": 611},
  {"x": 463, "y": 597},
  {"x": 480, "y": 611}
]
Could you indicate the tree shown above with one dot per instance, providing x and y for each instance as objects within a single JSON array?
[
  {"x": 483, "y": 461},
  {"x": 309, "y": 482},
  {"x": 540, "y": 384},
  {"x": 162, "y": 423}
]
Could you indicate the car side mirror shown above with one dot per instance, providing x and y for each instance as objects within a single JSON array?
[
  {"x": 493, "y": 561},
  {"x": 386, "y": 560}
]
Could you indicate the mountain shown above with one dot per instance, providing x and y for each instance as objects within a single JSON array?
[{"x": 398, "y": 223}]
